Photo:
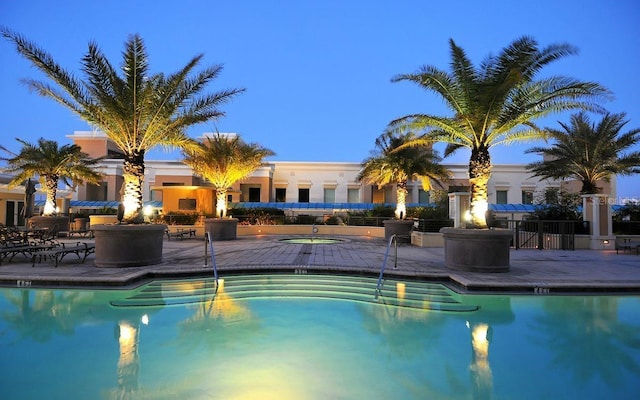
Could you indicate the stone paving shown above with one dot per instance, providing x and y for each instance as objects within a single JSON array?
[{"x": 531, "y": 271}]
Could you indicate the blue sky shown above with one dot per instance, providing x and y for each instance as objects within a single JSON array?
[{"x": 317, "y": 73}]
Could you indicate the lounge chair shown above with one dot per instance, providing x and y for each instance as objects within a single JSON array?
[{"x": 82, "y": 250}]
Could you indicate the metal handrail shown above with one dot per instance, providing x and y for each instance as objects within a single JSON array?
[
  {"x": 392, "y": 239},
  {"x": 209, "y": 241}
]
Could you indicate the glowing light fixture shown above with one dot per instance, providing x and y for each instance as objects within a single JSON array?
[{"x": 480, "y": 210}]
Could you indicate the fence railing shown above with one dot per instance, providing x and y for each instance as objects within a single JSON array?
[
  {"x": 626, "y": 227},
  {"x": 432, "y": 225},
  {"x": 534, "y": 234}
]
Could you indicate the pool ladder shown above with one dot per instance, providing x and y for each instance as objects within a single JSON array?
[
  {"x": 393, "y": 239},
  {"x": 208, "y": 244}
]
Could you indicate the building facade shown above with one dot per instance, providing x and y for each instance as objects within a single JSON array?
[{"x": 178, "y": 189}]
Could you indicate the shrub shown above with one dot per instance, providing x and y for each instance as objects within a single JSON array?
[
  {"x": 557, "y": 204},
  {"x": 630, "y": 212},
  {"x": 180, "y": 218}
]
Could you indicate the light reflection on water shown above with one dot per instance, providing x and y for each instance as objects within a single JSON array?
[{"x": 76, "y": 344}]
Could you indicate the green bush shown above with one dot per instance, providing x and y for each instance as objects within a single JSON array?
[
  {"x": 629, "y": 212},
  {"x": 378, "y": 210},
  {"x": 180, "y": 218},
  {"x": 556, "y": 204}
]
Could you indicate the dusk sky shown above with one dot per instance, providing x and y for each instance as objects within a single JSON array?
[{"x": 318, "y": 73}]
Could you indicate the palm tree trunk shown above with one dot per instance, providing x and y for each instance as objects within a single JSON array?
[
  {"x": 221, "y": 202},
  {"x": 133, "y": 174},
  {"x": 51, "y": 187},
  {"x": 401, "y": 201},
  {"x": 479, "y": 174}
]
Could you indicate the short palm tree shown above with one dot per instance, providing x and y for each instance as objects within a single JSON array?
[
  {"x": 495, "y": 103},
  {"x": 224, "y": 160},
  {"x": 589, "y": 152},
  {"x": 391, "y": 163},
  {"x": 137, "y": 110},
  {"x": 51, "y": 164}
]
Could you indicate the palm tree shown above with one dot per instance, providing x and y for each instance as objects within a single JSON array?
[
  {"x": 495, "y": 103},
  {"x": 224, "y": 160},
  {"x": 392, "y": 163},
  {"x": 589, "y": 152},
  {"x": 51, "y": 164},
  {"x": 137, "y": 110}
]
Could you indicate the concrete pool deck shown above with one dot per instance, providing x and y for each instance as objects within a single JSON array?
[{"x": 532, "y": 271}]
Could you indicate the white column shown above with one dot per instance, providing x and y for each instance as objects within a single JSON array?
[
  {"x": 597, "y": 210},
  {"x": 459, "y": 208}
]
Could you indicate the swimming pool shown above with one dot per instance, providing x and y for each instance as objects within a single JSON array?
[{"x": 306, "y": 336}]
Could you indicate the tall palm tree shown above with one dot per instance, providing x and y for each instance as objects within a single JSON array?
[
  {"x": 589, "y": 152},
  {"x": 51, "y": 164},
  {"x": 224, "y": 160},
  {"x": 137, "y": 110},
  {"x": 391, "y": 163},
  {"x": 496, "y": 103}
]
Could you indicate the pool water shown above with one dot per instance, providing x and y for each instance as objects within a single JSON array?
[
  {"x": 314, "y": 337},
  {"x": 309, "y": 240}
]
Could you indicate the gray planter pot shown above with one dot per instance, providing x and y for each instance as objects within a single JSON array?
[
  {"x": 477, "y": 250},
  {"x": 128, "y": 245},
  {"x": 221, "y": 228},
  {"x": 399, "y": 227}
]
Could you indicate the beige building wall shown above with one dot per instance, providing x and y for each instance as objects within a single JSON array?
[{"x": 319, "y": 178}]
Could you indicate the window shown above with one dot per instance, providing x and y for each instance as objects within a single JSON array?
[
  {"x": 281, "y": 195},
  {"x": 527, "y": 197},
  {"x": 187, "y": 204},
  {"x": 423, "y": 196},
  {"x": 254, "y": 195},
  {"x": 303, "y": 195},
  {"x": 329, "y": 195},
  {"x": 353, "y": 195},
  {"x": 501, "y": 196}
]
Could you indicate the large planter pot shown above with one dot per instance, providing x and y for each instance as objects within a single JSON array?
[
  {"x": 399, "y": 227},
  {"x": 128, "y": 245},
  {"x": 53, "y": 224},
  {"x": 221, "y": 228},
  {"x": 477, "y": 250}
]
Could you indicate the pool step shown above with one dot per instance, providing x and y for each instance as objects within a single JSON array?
[{"x": 408, "y": 294}]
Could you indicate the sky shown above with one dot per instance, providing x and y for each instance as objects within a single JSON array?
[{"x": 317, "y": 73}]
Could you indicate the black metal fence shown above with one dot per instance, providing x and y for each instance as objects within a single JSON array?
[
  {"x": 550, "y": 235},
  {"x": 626, "y": 227},
  {"x": 432, "y": 225}
]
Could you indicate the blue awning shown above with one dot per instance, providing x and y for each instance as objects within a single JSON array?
[
  {"x": 512, "y": 208},
  {"x": 100, "y": 204}
]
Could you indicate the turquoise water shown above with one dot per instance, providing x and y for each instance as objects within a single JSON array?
[{"x": 291, "y": 337}]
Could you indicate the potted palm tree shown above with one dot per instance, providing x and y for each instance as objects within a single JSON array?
[
  {"x": 51, "y": 164},
  {"x": 494, "y": 103},
  {"x": 137, "y": 110},
  {"x": 224, "y": 160},
  {"x": 392, "y": 163}
]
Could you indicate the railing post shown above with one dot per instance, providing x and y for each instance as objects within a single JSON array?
[{"x": 540, "y": 235}]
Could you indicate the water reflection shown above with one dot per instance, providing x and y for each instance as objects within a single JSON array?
[
  {"x": 398, "y": 326},
  {"x": 217, "y": 311},
  {"x": 589, "y": 340},
  {"x": 128, "y": 360},
  {"x": 572, "y": 340}
]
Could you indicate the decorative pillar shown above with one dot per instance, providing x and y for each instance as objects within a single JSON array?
[
  {"x": 459, "y": 208},
  {"x": 596, "y": 210}
]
